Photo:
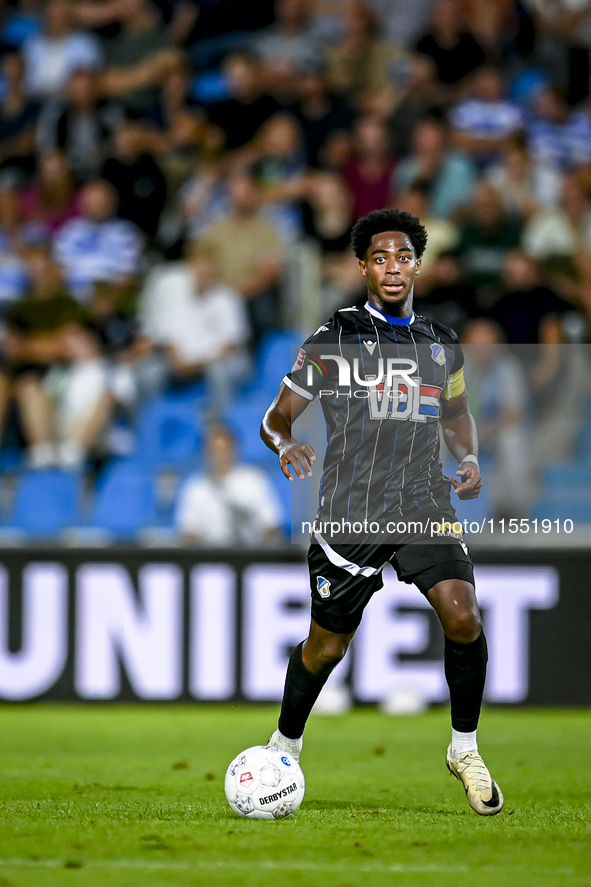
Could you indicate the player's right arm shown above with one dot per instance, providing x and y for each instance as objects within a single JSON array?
[{"x": 276, "y": 433}]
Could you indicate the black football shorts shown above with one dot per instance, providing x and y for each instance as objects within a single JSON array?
[{"x": 344, "y": 577}]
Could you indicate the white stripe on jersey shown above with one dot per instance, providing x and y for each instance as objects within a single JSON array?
[
  {"x": 297, "y": 390},
  {"x": 342, "y": 562}
]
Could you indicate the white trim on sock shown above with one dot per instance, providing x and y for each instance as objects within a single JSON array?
[{"x": 463, "y": 742}]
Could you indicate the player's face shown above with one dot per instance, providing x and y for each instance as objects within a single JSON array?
[{"x": 390, "y": 266}]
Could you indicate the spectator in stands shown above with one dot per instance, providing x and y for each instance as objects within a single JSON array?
[
  {"x": 136, "y": 177},
  {"x": 97, "y": 245},
  {"x": 139, "y": 58},
  {"x": 278, "y": 158},
  {"x": 50, "y": 200},
  {"x": 80, "y": 123},
  {"x": 231, "y": 504},
  {"x": 13, "y": 272},
  {"x": 558, "y": 134},
  {"x": 53, "y": 368},
  {"x": 323, "y": 116},
  {"x": 402, "y": 23},
  {"x": 526, "y": 302},
  {"x": 204, "y": 198},
  {"x": 370, "y": 171},
  {"x": 200, "y": 326},
  {"x": 184, "y": 132},
  {"x": 449, "y": 174},
  {"x": 290, "y": 44},
  {"x": 52, "y": 56},
  {"x": 524, "y": 185},
  {"x": 499, "y": 401},
  {"x": 18, "y": 119},
  {"x": 563, "y": 35},
  {"x": 454, "y": 50},
  {"x": 329, "y": 219},
  {"x": 559, "y": 374},
  {"x": 443, "y": 234},
  {"x": 565, "y": 230},
  {"x": 246, "y": 253},
  {"x": 484, "y": 121},
  {"x": 497, "y": 27},
  {"x": 361, "y": 59},
  {"x": 447, "y": 298},
  {"x": 415, "y": 97},
  {"x": 486, "y": 238},
  {"x": 329, "y": 213},
  {"x": 241, "y": 116},
  {"x": 210, "y": 31}
]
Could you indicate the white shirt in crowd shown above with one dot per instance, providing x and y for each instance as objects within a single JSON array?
[
  {"x": 237, "y": 509},
  {"x": 199, "y": 325},
  {"x": 50, "y": 62},
  {"x": 92, "y": 251}
]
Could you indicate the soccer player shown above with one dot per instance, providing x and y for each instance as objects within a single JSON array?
[{"x": 387, "y": 381}]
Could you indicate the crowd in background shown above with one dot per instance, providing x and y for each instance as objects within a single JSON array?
[{"x": 161, "y": 160}]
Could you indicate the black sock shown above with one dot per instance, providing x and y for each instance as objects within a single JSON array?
[
  {"x": 465, "y": 672},
  {"x": 302, "y": 689}
]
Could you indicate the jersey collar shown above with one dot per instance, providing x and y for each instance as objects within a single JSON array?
[{"x": 389, "y": 318}]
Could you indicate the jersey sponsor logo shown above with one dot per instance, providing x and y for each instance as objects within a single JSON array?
[
  {"x": 322, "y": 586},
  {"x": 438, "y": 353},
  {"x": 371, "y": 346},
  {"x": 299, "y": 361},
  {"x": 402, "y": 402}
]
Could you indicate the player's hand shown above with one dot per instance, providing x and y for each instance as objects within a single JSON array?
[
  {"x": 300, "y": 456},
  {"x": 471, "y": 484}
]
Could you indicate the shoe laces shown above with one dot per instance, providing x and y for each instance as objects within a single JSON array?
[{"x": 478, "y": 771}]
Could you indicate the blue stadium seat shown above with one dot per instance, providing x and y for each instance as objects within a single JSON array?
[
  {"x": 169, "y": 432},
  {"x": 567, "y": 474},
  {"x": 583, "y": 439},
  {"x": 550, "y": 508},
  {"x": 125, "y": 499},
  {"x": 45, "y": 502},
  {"x": 244, "y": 419},
  {"x": 10, "y": 458},
  {"x": 274, "y": 359}
]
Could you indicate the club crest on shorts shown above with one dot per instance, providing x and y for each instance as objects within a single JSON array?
[
  {"x": 438, "y": 353},
  {"x": 322, "y": 586}
]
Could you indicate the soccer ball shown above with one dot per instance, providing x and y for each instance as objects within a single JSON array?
[{"x": 264, "y": 782}]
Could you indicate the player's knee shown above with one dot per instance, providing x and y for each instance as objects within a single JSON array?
[
  {"x": 327, "y": 655},
  {"x": 463, "y": 626}
]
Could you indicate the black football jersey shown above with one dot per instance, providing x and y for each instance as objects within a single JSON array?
[{"x": 380, "y": 381}]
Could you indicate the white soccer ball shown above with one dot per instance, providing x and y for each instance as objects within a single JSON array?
[{"x": 264, "y": 782}]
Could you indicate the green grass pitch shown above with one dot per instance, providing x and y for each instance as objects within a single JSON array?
[{"x": 131, "y": 795}]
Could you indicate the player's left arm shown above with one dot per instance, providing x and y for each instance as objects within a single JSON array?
[{"x": 461, "y": 439}]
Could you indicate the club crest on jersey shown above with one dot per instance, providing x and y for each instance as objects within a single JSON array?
[
  {"x": 438, "y": 353},
  {"x": 322, "y": 586}
]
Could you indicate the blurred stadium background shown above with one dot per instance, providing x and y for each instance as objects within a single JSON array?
[{"x": 178, "y": 181}]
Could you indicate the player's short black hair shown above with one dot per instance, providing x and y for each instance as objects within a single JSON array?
[{"x": 381, "y": 220}]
